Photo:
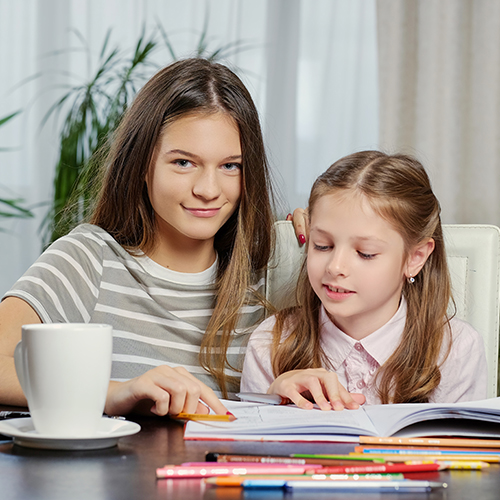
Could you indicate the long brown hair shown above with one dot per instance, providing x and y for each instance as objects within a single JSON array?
[
  {"x": 123, "y": 209},
  {"x": 399, "y": 190}
]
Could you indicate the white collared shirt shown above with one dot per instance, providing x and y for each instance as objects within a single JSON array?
[{"x": 463, "y": 373}]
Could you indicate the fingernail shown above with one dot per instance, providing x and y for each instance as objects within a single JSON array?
[
  {"x": 302, "y": 239},
  {"x": 289, "y": 217},
  {"x": 231, "y": 416}
]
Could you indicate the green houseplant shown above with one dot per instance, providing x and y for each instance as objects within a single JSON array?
[
  {"x": 12, "y": 207},
  {"x": 91, "y": 112}
]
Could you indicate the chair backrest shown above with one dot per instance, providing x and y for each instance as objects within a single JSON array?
[{"x": 473, "y": 253}]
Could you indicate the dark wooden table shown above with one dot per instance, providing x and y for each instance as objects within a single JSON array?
[{"x": 127, "y": 471}]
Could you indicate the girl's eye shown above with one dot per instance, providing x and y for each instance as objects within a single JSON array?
[
  {"x": 183, "y": 163},
  {"x": 367, "y": 256},
  {"x": 230, "y": 167},
  {"x": 321, "y": 248}
]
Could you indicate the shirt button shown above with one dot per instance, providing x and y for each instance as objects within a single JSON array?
[
  {"x": 358, "y": 347},
  {"x": 360, "y": 384}
]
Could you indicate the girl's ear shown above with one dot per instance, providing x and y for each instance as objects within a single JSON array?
[{"x": 418, "y": 257}]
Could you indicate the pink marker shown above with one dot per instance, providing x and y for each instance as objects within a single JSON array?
[{"x": 210, "y": 470}]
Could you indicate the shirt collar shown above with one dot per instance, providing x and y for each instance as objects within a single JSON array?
[{"x": 380, "y": 344}]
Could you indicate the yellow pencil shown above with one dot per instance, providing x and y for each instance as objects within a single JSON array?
[
  {"x": 464, "y": 465},
  {"x": 229, "y": 417}
]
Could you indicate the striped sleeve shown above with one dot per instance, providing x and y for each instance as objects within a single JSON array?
[{"x": 63, "y": 284}]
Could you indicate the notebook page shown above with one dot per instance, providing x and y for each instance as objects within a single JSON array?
[
  {"x": 275, "y": 419},
  {"x": 388, "y": 419}
]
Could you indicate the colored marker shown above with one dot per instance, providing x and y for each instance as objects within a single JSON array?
[
  {"x": 208, "y": 470},
  {"x": 243, "y": 464},
  {"x": 380, "y": 468}
]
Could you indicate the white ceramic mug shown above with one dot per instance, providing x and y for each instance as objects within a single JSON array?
[{"x": 64, "y": 370}]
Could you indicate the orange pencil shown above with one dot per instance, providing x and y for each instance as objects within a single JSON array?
[{"x": 229, "y": 417}]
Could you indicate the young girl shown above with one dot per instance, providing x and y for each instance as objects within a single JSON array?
[
  {"x": 372, "y": 299},
  {"x": 174, "y": 252}
]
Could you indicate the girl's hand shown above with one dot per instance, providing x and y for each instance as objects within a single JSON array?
[
  {"x": 323, "y": 386},
  {"x": 164, "y": 390}
]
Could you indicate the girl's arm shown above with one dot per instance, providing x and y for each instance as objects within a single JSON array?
[{"x": 14, "y": 313}]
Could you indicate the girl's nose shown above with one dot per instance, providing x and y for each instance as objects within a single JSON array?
[
  {"x": 338, "y": 263},
  {"x": 207, "y": 185}
]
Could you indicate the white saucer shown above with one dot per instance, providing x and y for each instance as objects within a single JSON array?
[{"x": 106, "y": 436}]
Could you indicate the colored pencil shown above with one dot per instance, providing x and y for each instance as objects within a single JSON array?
[
  {"x": 229, "y": 417},
  {"x": 398, "y": 486},
  {"x": 406, "y": 486},
  {"x": 382, "y": 448},
  {"x": 269, "y": 399},
  {"x": 290, "y": 459},
  {"x": 453, "y": 442},
  {"x": 464, "y": 465},
  {"x": 238, "y": 480},
  {"x": 434, "y": 457},
  {"x": 424, "y": 451},
  {"x": 331, "y": 457}
]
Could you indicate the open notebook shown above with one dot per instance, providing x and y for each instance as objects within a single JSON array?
[{"x": 258, "y": 422}]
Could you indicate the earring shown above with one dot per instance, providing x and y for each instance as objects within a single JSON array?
[{"x": 411, "y": 279}]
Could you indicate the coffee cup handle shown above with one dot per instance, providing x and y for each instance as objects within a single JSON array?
[{"x": 18, "y": 362}]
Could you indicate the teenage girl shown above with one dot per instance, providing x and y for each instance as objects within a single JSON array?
[
  {"x": 173, "y": 254},
  {"x": 371, "y": 321}
]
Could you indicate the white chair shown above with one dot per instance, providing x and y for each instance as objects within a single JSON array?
[{"x": 473, "y": 253}]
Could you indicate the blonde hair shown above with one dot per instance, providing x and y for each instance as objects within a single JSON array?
[{"x": 399, "y": 190}]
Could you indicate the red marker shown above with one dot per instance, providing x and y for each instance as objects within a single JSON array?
[{"x": 368, "y": 469}]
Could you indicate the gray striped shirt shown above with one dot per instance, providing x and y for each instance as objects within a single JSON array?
[{"x": 158, "y": 316}]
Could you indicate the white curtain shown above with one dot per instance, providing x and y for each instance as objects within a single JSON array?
[
  {"x": 440, "y": 98},
  {"x": 311, "y": 66}
]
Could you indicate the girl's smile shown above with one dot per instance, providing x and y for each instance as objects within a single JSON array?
[
  {"x": 337, "y": 293},
  {"x": 203, "y": 212}
]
